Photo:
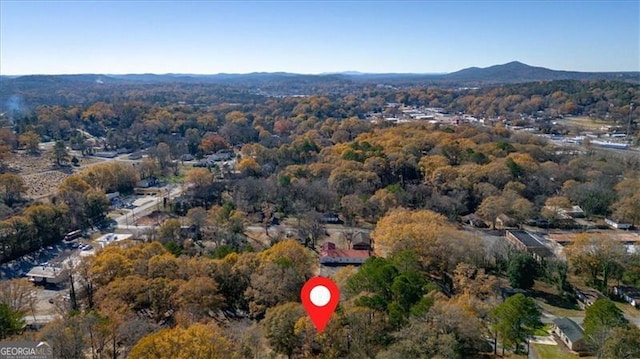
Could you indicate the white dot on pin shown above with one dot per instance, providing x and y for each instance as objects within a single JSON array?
[{"x": 320, "y": 296}]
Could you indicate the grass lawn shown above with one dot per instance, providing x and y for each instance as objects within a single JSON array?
[
  {"x": 544, "y": 331},
  {"x": 558, "y": 311},
  {"x": 585, "y": 122},
  {"x": 551, "y": 352},
  {"x": 175, "y": 179},
  {"x": 547, "y": 297},
  {"x": 628, "y": 310}
]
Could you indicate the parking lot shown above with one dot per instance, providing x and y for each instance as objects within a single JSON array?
[{"x": 51, "y": 255}]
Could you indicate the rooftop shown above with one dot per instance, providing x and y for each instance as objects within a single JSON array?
[
  {"x": 345, "y": 253},
  {"x": 629, "y": 291},
  {"x": 610, "y": 234},
  {"x": 50, "y": 272},
  {"x": 330, "y": 250},
  {"x": 570, "y": 328},
  {"x": 543, "y": 252},
  {"x": 527, "y": 239}
]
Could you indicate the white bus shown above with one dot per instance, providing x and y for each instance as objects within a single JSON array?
[{"x": 72, "y": 235}]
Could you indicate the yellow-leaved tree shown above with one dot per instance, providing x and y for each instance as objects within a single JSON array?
[
  {"x": 438, "y": 243},
  {"x": 199, "y": 341},
  {"x": 282, "y": 271}
]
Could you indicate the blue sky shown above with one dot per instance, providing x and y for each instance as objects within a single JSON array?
[{"x": 206, "y": 37}]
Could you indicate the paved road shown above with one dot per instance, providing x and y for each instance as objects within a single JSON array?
[
  {"x": 548, "y": 319},
  {"x": 126, "y": 221}
]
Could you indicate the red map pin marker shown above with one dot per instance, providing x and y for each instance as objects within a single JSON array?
[{"x": 320, "y": 296}]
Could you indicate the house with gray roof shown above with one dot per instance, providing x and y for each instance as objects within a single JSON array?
[
  {"x": 528, "y": 242},
  {"x": 570, "y": 334}
]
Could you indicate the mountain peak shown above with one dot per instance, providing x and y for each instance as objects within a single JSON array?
[
  {"x": 514, "y": 71},
  {"x": 515, "y": 64}
]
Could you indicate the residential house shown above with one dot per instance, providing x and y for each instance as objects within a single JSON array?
[
  {"x": 361, "y": 241},
  {"x": 474, "y": 220},
  {"x": 330, "y": 255},
  {"x": 212, "y": 160},
  {"x": 574, "y": 212},
  {"x": 113, "y": 197},
  {"x": 146, "y": 183},
  {"x": 630, "y": 294},
  {"x": 570, "y": 334},
  {"x": 528, "y": 242},
  {"x": 586, "y": 297},
  {"x": 106, "y": 154},
  {"x": 567, "y": 213},
  {"x": 616, "y": 225},
  {"x": 330, "y": 217},
  {"x": 47, "y": 274}
]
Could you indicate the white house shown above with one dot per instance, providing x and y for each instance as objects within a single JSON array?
[{"x": 617, "y": 225}]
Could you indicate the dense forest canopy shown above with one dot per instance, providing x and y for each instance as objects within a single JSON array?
[{"x": 160, "y": 109}]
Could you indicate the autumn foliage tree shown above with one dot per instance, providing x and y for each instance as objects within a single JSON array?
[
  {"x": 279, "y": 277},
  {"x": 30, "y": 140},
  {"x": 279, "y": 324},
  {"x": 12, "y": 187},
  {"x": 438, "y": 244},
  {"x": 199, "y": 341},
  {"x": 597, "y": 256}
]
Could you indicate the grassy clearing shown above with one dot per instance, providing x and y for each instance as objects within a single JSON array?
[
  {"x": 544, "y": 331},
  {"x": 176, "y": 179},
  {"x": 585, "y": 122},
  {"x": 628, "y": 310},
  {"x": 558, "y": 311},
  {"x": 548, "y": 299},
  {"x": 551, "y": 352}
]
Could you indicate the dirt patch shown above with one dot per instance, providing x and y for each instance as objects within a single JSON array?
[
  {"x": 41, "y": 177},
  {"x": 154, "y": 219},
  {"x": 257, "y": 238},
  {"x": 44, "y": 183},
  {"x": 25, "y": 164}
]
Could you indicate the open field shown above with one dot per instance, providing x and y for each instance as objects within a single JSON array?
[
  {"x": 585, "y": 122},
  {"x": 544, "y": 351},
  {"x": 41, "y": 177},
  {"x": 43, "y": 184}
]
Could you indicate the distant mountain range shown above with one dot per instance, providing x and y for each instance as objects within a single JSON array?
[
  {"x": 32, "y": 90},
  {"x": 512, "y": 72}
]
